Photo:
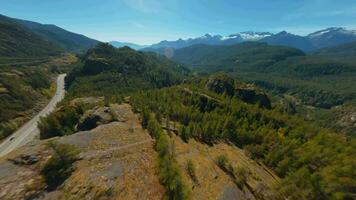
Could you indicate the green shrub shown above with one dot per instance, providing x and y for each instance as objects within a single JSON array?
[
  {"x": 61, "y": 122},
  {"x": 169, "y": 173},
  {"x": 60, "y": 166},
  {"x": 223, "y": 162},
  {"x": 191, "y": 171}
]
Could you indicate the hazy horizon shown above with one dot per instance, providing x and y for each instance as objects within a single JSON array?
[{"x": 150, "y": 21}]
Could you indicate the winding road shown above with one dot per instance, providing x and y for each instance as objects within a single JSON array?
[{"x": 29, "y": 131}]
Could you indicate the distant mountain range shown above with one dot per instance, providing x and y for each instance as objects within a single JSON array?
[
  {"x": 61, "y": 38},
  {"x": 131, "y": 45},
  {"x": 317, "y": 40},
  {"x": 55, "y": 38}
]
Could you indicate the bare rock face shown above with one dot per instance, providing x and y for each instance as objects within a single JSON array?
[
  {"x": 116, "y": 161},
  {"x": 221, "y": 84},
  {"x": 252, "y": 96},
  {"x": 101, "y": 115},
  {"x": 25, "y": 160},
  {"x": 93, "y": 118}
]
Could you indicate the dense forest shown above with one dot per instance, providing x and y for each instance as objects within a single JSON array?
[
  {"x": 313, "y": 162},
  {"x": 106, "y": 70},
  {"x": 318, "y": 80}
]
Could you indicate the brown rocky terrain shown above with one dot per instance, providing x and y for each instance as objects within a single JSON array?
[
  {"x": 117, "y": 160},
  {"x": 211, "y": 182}
]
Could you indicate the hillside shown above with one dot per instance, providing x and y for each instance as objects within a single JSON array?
[
  {"x": 67, "y": 40},
  {"x": 17, "y": 41},
  {"x": 131, "y": 45},
  {"x": 60, "y": 37},
  {"x": 177, "y": 137},
  {"x": 348, "y": 49},
  {"x": 321, "y": 81},
  {"x": 295, "y": 149},
  {"x": 248, "y": 56},
  {"x": 287, "y": 39},
  {"x": 331, "y": 37},
  {"x": 25, "y": 89},
  {"x": 104, "y": 66}
]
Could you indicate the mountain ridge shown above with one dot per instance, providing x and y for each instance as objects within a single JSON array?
[
  {"x": 17, "y": 41},
  {"x": 319, "y": 39},
  {"x": 65, "y": 39},
  {"x": 135, "y": 46}
]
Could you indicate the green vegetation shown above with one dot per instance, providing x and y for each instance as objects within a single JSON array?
[
  {"x": 21, "y": 89},
  {"x": 105, "y": 70},
  {"x": 61, "y": 122},
  {"x": 348, "y": 49},
  {"x": 26, "y": 84},
  {"x": 248, "y": 56},
  {"x": 191, "y": 171},
  {"x": 225, "y": 165},
  {"x": 60, "y": 166},
  {"x": 17, "y": 41},
  {"x": 169, "y": 173},
  {"x": 238, "y": 175},
  {"x": 313, "y": 162},
  {"x": 317, "y": 80}
]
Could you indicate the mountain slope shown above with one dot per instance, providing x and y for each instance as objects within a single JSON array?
[
  {"x": 211, "y": 40},
  {"x": 287, "y": 39},
  {"x": 331, "y": 37},
  {"x": 131, "y": 45},
  {"x": 69, "y": 41},
  {"x": 316, "y": 80},
  {"x": 65, "y": 39},
  {"x": 16, "y": 41},
  {"x": 348, "y": 49},
  {"x": 249, "y": 56},
  {"x": 320, "y": 39},
  {"x": 105, "y": 66}
]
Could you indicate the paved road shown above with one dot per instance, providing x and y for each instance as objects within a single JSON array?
[{"x": 29, "y": 131}]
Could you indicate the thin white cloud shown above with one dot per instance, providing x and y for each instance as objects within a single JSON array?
[
  {"x": 146, "y": 6},
  {"x": 299, "y": 30},
  {"x": 137, "y": 25},
  {"x": 321, "y": 9}
]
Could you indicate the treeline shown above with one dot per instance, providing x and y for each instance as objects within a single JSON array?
[
  {"x": 169, "y": 172},
  {"x": 317, "y": 80},
  {"x": 314, "y": 163},
  {"x": 105, "y": 70}
]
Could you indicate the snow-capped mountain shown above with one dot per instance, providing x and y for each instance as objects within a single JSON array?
[
  {"x": 213, "y": 40},
  {"x": 320, "y": 39},
  {"x": 332, "y": 30},
  {"x": 254, "y": 36},
  {"x": 287, "y": 39},
  {"x": 331, "y": 37}
]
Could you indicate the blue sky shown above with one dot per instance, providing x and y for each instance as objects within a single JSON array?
[{"x": 149, "y": 21}]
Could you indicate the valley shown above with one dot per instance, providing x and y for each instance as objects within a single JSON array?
[
  {"x": 29, "y": 131},
  {"x": 250, "y": 115}
]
